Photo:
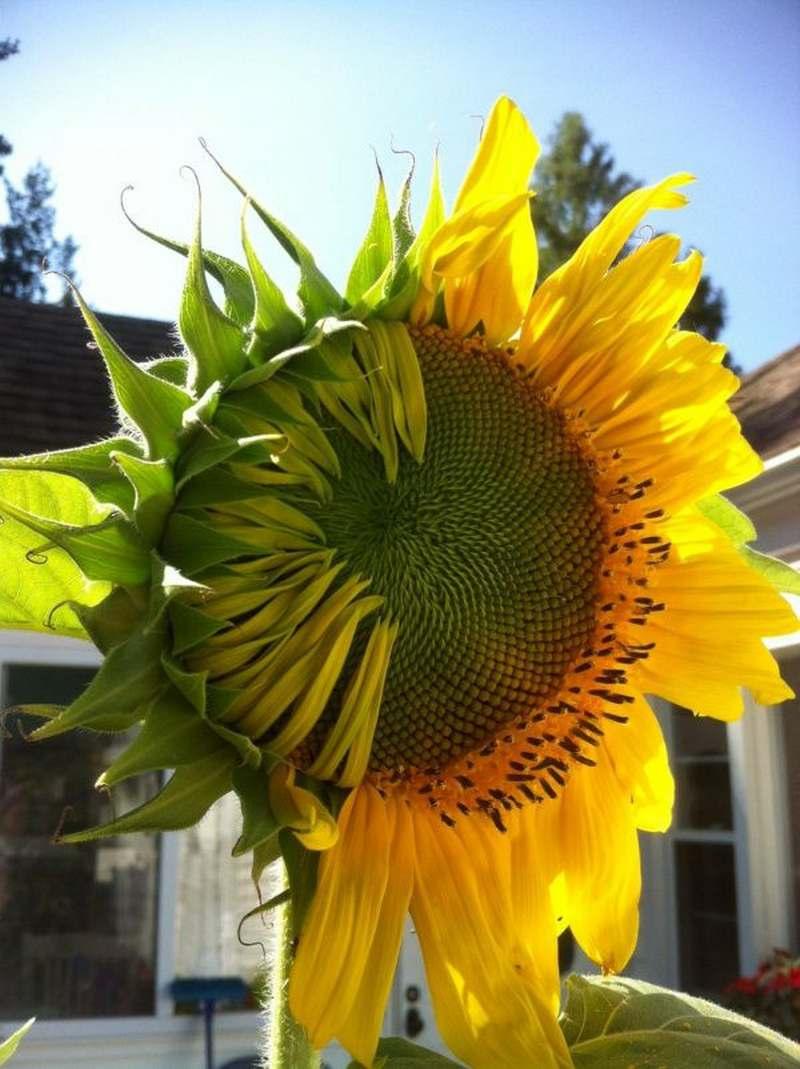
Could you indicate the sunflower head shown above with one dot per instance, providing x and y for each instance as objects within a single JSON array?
[{"x": 397, "y": 567}]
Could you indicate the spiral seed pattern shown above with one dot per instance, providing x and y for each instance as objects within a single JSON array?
[{"x": 488, "y": 554}]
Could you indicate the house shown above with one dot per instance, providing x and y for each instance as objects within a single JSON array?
[{"x": 91, "y": 936}]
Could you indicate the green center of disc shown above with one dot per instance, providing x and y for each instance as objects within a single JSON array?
[{"x": 487, "y": 554}]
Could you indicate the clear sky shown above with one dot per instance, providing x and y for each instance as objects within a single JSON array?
[{"x": 292, "y": 96}]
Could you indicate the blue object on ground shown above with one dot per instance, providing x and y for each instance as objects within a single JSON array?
[{"x": 207, "y": 992}]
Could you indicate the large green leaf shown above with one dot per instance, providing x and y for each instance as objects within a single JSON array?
[
  {"x": 188, "y": 795},
  {"x": 108, "y": 551},
  {"x": 618, "y": 1024},
  {"x": 156, "y": 407},
  {"x": 777, "y": 572},
  {"x": 36, "y": 588},
  {"x": 91, "y": 464},
  {"x": 739, "y": 528},
  {"x": 736, "y": 525},
  {"x": 9, "y": 1046},
  {"x": 394, "y": 1053}
]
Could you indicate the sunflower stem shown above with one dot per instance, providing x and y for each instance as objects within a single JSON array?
[{"x": 287, "y": 1045}]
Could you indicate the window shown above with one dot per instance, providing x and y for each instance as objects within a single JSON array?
[
  {"x": 704, "y": 846},
  {"x": 78, "y": 924}
]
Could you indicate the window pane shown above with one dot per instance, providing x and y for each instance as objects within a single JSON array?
[
  {"x": 77, "y": 923},
  {"x": 698, "y": 736},
  {"x": 703, "y": 796},
  {"x": 707, "y": 924},
  {"x": 702, "y": 773}
]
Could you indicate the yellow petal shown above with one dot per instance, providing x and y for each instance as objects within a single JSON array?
[
  {"x": 468, "y": 238},
  {"x": 359, "y": 1032},
  {"x": 504, "y": 158},
  {"x": 338, "y": 936},
  {"x": 300, "y": 810},
  {"x": 493, "y": 276},
  {"x": 572, "y": 284},
  {"x": 490, "y": 1005},
  {"x": 709, "y": 636},
  {"x": 601, "y": 865},
  {"x": 638, "y": 756}
]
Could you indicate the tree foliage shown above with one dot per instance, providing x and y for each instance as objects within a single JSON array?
[
  {"x": 577, "y": 183},
  {"x": 8, "y": 47},
  {"x": 27, "y": 239}
]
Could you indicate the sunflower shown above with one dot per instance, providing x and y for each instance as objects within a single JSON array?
[{"x": 400, "y": 567}]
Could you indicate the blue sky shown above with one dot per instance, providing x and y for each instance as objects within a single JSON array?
[{"x": 294, "y": 95}]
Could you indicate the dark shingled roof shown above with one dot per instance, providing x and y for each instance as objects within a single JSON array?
[
  {"x": 768, "y": 404},
  {"x": 53, "y": 388}
]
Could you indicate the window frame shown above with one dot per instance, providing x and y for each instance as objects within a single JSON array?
[
  {"x": 760, "y": 838},
  {"x": 75, "y": 1036}
]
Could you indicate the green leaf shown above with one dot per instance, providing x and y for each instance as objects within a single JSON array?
[
  {"x": 301, "y": 868},
  {"x": 193, "y": 546},
  {"x": 395, "y": 1053},
  {"x": 174, "y": 369},
  {"x": 127, "y": 681},
  {"x": 111, "y": 621},
  {"x": 188, "y": 795},
  {"x": 402, "y": 227},
  {"x": 276, "y": 326},
  {"x": 36, "y": 591},
  {"x": 153, "y": 487},
  {"x": 191, "y": 626},
  {"x": 215, "y": 342},
  {"x": 247, "y": 750},
  {"x": 318, "y": 297},
  {"x": 258, "y": 820},
  {"x": 232, "y": 276},
  {"x": 218, "y": 485},
  {"x": 9, "y": 1046},
  {"x": 320, "y": 333},
  {"x": 777, "y": 572},
  {"x": 156, "y": 407},
  {"x": 110, "y": 550},
  {"x": 376, "y": 249},
  {"x": 736, "y": 525},
  {"x": 212, "y": 447},
  {"x": 192, "y": 685},
  {"x": 264, "y": 854},
  {"x": 90, "y": 464},
  {"x": 618, "y": 1024},
  {"x": 405, "y": 283},
  {"x": 172, "y": 734}
]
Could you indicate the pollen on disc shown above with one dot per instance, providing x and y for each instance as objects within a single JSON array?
[{"x": 487, "y": 553}]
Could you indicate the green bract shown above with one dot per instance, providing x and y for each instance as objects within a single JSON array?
[{"x": 152, "y": 543}]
